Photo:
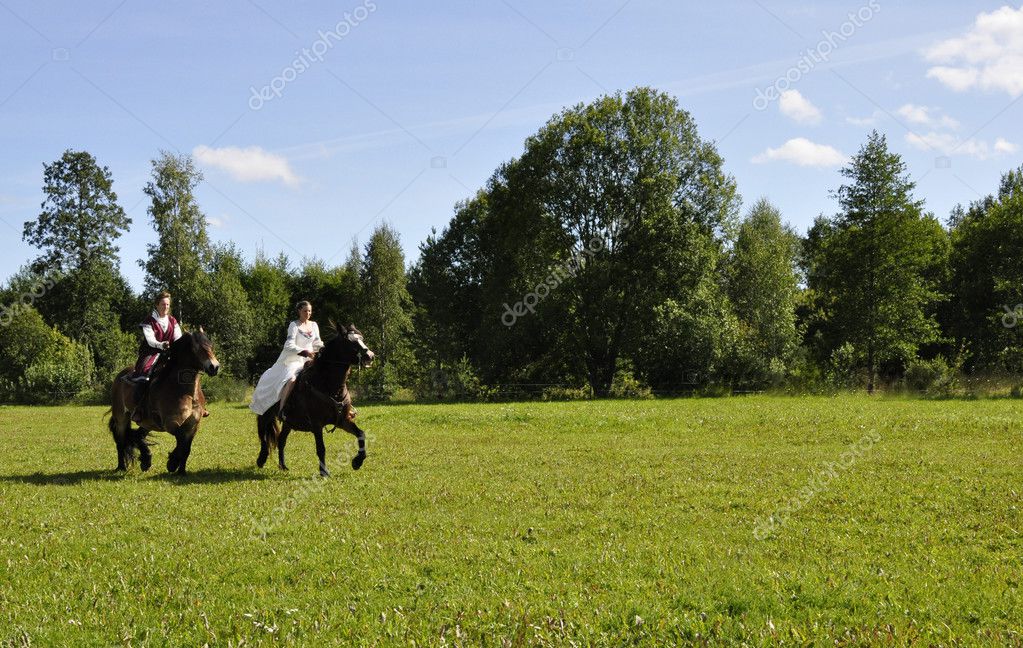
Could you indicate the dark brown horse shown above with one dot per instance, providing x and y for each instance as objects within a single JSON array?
[
  {"x": 173, "y": 402},
  {"x": 319, "y": 399}
]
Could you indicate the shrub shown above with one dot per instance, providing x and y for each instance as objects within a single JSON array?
[
  {"x": 224, "y": 388},
  {"x": 57, "y": 375},
  {"x": 456, "y": 381},
  {"x": 625, "y": 385},
  {"x": 559, "y": 393},
  {"x": 929, "y": 375}
]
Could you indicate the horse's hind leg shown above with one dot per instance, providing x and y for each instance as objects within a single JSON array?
[
  {"x": 321, "y": 452},
  {"x": 139, "y": 441},
  {"x": 281, "y": 441},
  {"x": 264, "y": 443},
  {"x": 120, "y": 434}
]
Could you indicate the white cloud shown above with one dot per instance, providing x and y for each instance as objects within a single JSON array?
[
  {"x": 948, "y": 144},
  {"x": 989, "y": 56},
  {"x": 1003, "y": 146},
  {"x": 872, "y": 120},
  {"x": 250, "y": 164},
  {"x": 798, "y": 108},
  {"x": 803, "y": 152},
  {"x": 218, "y": 222},
  {"x": 925, "y": 116}
]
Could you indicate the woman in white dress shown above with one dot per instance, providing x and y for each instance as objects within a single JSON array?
[{"x": 301, "y": 344}]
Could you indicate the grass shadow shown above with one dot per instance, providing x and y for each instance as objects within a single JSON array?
[
  {"x": 63, "y": 479},
  {"x": 204, "y": 476},
  {"x": 210, "y": 476}
]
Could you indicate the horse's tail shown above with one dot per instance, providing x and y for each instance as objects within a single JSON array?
[
  {"x": 268, "y": 428},
  {"x": 140, "y": 437}
]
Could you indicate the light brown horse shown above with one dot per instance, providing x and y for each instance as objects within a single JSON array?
[{"x": 173, "y": 403}]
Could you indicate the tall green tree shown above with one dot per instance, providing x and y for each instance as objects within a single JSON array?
[
  {"x": 385, "y": 307},
  {"x": 226, "y": 313},
  {"x": 80, "y": 219},
  {"x": 177, "y": 262},
  {"x": 76, "y": 233},
  {"x": 267, "y": 283},
  {"x": 875, "y": 267},
  {"x": 986, "y": 277},
  {"x": 763, "y": 286},
  {"x": 628, "y": 179},
  {"x": 614, "y": 209}
]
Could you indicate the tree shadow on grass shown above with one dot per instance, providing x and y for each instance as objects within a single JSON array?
[{"x": 204, "y": 476}]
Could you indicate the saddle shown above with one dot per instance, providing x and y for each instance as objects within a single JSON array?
[{"x": 141, "y": 394}]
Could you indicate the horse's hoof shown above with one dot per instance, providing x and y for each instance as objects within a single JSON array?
[
  {"x": 261, "y": 460},
  {"x": 172, "y": 465},
  {"x": 145, "y": 462},
  {"x": 121, "y": 468},
  {"x": 282, "y": 467},
  {"x": 324, "y": 472},
  {"x": 357, "y": 461}
]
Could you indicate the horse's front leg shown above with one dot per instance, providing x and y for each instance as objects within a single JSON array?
[
  {"x": 179, "y": 455},
  {"x": 321, "y": 451},
  {"x": 350, "y": 427}
]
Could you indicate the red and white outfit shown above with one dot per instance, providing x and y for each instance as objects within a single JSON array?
[
  {"x": 273, "y": 380},
  {"x": 156, "y": 330}
]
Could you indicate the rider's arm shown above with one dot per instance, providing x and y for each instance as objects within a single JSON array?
[
  {"x": 147, "y": 331},
  {"x": 177, "y": 332},
  {"x": 317, "y": 342},
  {"x": 291, "y": 341}
]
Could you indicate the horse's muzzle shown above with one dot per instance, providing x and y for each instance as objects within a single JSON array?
[
  {"x": 367, "y": 359},
  {"x": 213, "y": 368}
]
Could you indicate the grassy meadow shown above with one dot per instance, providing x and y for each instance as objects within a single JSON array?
[{"x": 896, "y": 522}]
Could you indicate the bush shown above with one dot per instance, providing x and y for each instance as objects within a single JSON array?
[
  {"x": 457, "y": 381},
  {"x": 113, "y": 350},
  {"x": 224, "y": 388},
  {"x": 625, "y": 385},
  {"x": 929, "y": 376},
  {"x": 59, "y": 374},
  {"x": 842, "y": 372},
  {"x": 566, "y": 393}
]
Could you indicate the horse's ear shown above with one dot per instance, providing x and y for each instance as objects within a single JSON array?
[
  {"x": 201, "y": 331},
  {"x": 333, "y": 326}
]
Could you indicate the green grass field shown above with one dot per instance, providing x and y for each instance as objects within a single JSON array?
[{"x": 598, "y": 523}]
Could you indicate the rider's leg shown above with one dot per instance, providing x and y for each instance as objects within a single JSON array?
[{"x": 285, "y": 393}]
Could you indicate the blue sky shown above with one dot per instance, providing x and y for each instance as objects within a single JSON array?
[{"x": 395, "y": 110}]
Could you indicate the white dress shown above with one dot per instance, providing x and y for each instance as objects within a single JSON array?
[{"x": 273, "y": 380}]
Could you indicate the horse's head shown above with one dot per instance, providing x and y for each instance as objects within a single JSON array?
[
  {"x": 196, "y": 346},
  {"x": 347, "y": 347}
]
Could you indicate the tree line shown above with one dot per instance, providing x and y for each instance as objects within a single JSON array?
[{"x": 612, "y": 257}]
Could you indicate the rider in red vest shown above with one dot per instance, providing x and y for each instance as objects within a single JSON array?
[{"x": 159, "y": 330}]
